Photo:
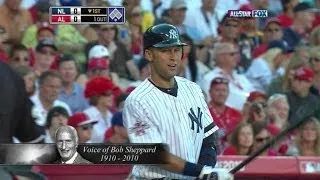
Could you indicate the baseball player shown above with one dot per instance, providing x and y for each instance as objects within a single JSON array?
[{"x": 168, "y": 109}]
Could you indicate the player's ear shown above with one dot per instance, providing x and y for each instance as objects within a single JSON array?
[{"x": 148, "y": 55}]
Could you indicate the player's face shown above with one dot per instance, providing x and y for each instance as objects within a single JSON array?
[
  {"x": 165, "y": 62},
  {"x": 66, "y": 144},
  {"x": 245, "y": 138},
  {"x": 219, "y": 93}
]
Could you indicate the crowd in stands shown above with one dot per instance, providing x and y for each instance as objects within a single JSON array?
[{"x": 258, "y": 75}]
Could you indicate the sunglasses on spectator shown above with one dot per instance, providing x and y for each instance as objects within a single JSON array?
[
  {"x": 86, "y": 126},
  {"x": 273, "y": 30},
  {"x": 18, "y": 59},
  {"x": 220, "y": 80},
  {"x": 262, "y": 139}
]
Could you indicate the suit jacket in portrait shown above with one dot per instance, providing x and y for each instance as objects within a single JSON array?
[{"x": 78, "y": 160}]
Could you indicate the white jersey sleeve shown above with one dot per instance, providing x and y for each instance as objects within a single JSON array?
[
  {"x": 141, "y": 128},
  {"x": 209, "y": 125}
]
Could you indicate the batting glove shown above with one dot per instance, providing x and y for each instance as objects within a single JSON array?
[{"x": 210, "y": 173}]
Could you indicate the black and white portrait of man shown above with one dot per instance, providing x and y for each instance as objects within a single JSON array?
[{"x": 67, "y": 142}]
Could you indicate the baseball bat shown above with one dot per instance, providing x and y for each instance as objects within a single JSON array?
[{"x": 269, "y": 144}]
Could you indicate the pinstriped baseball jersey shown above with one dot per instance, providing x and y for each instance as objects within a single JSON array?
[{"x": 182, "y": 121}]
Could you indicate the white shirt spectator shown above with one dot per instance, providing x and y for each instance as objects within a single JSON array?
[
  {"x": 261, "y": 75},
  {"x": 40, "y": 113},
  {"x": 240, "y": 87},
  {"x": 100, "y": 128},
  {"x": 196, "y": 18}
]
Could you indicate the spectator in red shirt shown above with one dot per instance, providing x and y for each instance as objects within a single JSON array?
[
  {"x": 286, "y": 18},
  {"x": 225, "y": 117},
  {"x": 272, "y": 31},
  {"x": 241, "y": 140}
]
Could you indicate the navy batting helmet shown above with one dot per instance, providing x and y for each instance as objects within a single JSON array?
[{"x": 162, "y": 35}]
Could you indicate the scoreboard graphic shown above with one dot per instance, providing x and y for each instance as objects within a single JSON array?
[{"x": 87, "y": 15}]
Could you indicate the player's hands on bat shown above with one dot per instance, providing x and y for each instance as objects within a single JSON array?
[{"x": 210, "y": 173}]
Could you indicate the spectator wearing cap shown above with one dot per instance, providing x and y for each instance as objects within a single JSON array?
[
  {"x": 204, "y": 19},
  {"x": 98, "y": 66},
  {"x": 71, "y": 93},
  {"x": 302, "y": 24},
  {"x": 227, "y": 58},
  {"x": 177, "y": 13},
  {"x": 269, "y": 65},
  {"x": 250, "y": 27},
  {"x": 254, "y": 108},
  {"x": 229, "y": 30},
  {"x": 272, "y": 31},
  {"x": 14, "y": 19},
  {"x": 286, "y": 18},
  {"x": 57, "y": 117},
  {"x": 283, "y": 83},
  {"x": 117, "y": 133},
  {"x": 47, "y": 97},
  {"x": 302, "y": 102},
  {"x": 99, "y": 92},
  {"x": 29, "y": 78},
  {"x": 83, "y": 125},
  {"x": 19, "y": 56},
  {"x": 4, "y": 36},
  {"x": 41, "y": 27},
  {"x": 225, "y": 117},
  {"x": 121, "y": 60},
  {"x": 44, "y": 56}
]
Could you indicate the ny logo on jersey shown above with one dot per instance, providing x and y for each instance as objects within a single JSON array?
[
  {"x": 139, "y": 128},
  {"x": 196, "y": 119}
]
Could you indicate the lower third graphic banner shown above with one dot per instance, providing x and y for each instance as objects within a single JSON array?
[{"x": 32, "y": 154}]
